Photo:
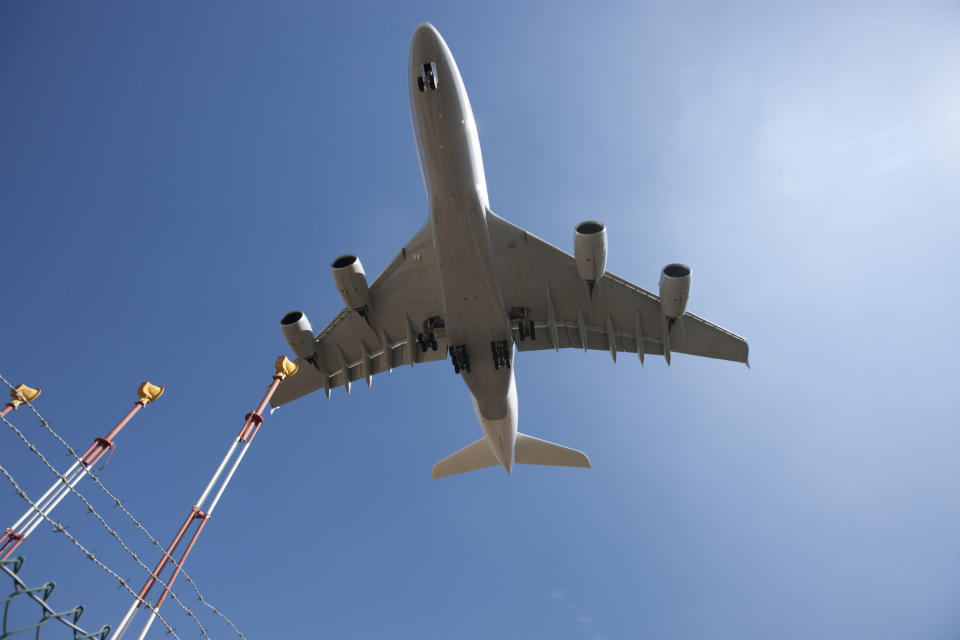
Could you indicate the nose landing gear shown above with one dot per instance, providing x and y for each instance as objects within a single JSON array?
[{"x": 427, "y": 80}]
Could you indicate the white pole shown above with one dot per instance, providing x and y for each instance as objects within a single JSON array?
[
  {"x": 56, "y": 484},
  {"x": 146, "y": 627},
  {"x": 199, "y": 505},
  {"x": 122, "y": 627},
  {"x": 54, "y": 502},
  {"x": 226, "y": 481},
  {"x": 217, "y": 474}
]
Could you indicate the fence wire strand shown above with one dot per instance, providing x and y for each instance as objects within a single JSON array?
[{"x": 133, "y": 519}]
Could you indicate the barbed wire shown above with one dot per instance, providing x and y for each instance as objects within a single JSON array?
[
  {"x": 32, "y": 447},
  {"x": 59, "y": 528},
  {"x": 20, "y": 589},
  {"x": 135, "y": 521}
]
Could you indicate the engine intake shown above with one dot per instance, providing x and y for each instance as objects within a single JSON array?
[
  {"x": 351, "y": 282},
  {"x": 674, "y": 289},
  {"x": 590, "y": 250},
  {"x": 299, "y": 334}
]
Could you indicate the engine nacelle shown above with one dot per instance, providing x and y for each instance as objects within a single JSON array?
[
  {"x": 299, "y": 333},
  {"x": 590, "y": 250},
  {"x": 351, "y": 282},
  {"x": 674, "y": 289}
]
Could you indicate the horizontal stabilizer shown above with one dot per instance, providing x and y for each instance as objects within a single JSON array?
[
  {"x": 530, "y": 450},
  {"x": 477, "y": 455}
]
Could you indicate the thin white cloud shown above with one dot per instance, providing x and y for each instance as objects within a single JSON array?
[
  {"x": 901, "y": 159},
  {"x": 873, "y": 136}
]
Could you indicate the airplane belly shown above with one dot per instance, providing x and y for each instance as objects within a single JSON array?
[
  {"x": 452, "y": 166},
  {"x": 453, "y": 174},
  {"x": 473, "y": 307}
]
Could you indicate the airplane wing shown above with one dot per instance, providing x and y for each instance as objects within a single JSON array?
[
  {"x": 404, "y": 299},
  {"x": 539, "y": 283}
]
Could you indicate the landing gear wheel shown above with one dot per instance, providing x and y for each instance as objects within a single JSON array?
[{"x": 420, "y": 84}]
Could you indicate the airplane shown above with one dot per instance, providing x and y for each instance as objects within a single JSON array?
[{"x": 476, "y": 288}]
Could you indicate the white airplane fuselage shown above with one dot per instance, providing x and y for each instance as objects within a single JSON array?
[{"x": 452, "y": 166}]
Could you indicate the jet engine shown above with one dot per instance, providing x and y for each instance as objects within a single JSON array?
[
  {"x": 351, "y": 282},
  {"x": 674, "y": 289},
  {"x": 590, "y": 250},
  {"x": 299, "y": 333}
]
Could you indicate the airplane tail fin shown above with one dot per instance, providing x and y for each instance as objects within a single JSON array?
[
  {"x": 528, "y": 450},
  {"x": 477, "y": 455}
]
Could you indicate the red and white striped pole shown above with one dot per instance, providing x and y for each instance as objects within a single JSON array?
[
  {"x": 20, "y": 394},
  {"x": 251, "y": 425},
  {"x": 32, "y": 518}
]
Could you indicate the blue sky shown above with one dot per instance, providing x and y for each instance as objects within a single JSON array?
[{"x": 175, "y": 177}]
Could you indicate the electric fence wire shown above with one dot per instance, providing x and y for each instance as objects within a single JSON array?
[
  {"x": 59, "y": 528},
  {"x": 135, "y": 521}
]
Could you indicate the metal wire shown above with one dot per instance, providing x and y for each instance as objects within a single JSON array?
[
  {"x": 59, "y": 528},
  {"x": 20, "y": 589},
  {"x": 103, "y": 522},
  {"x": 135, "y": 521}
]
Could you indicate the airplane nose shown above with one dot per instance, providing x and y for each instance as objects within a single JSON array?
[
  {"x": 426, "y": 40},
  {"x": 425, "y": 30}
]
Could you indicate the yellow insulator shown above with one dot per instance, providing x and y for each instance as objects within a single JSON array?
[
  {"x": 149, "y": 392},
  {"x": 284, "y": 367},
  {"x": 22, "y": 393}
]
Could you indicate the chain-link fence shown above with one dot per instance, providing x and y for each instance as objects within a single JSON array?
[{"x": 27, "y": 609}]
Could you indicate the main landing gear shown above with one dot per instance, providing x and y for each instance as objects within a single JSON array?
[
  {"x": 428, "y": 340},
  {"x": 501, "y": 356},
  {"x": 460, "y": 358},
  {"x": 526, "y": 330},
  {"x": 525, "y": 326}
]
